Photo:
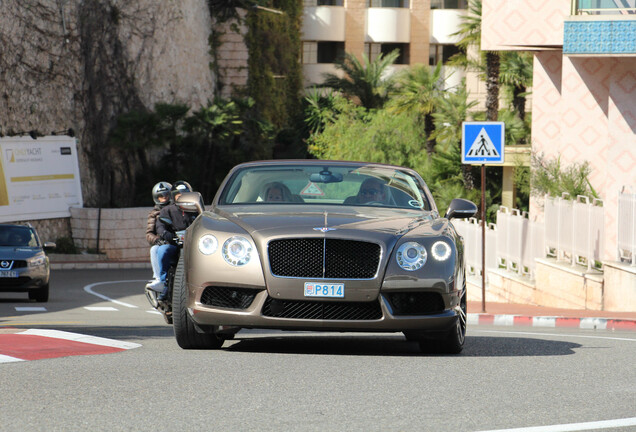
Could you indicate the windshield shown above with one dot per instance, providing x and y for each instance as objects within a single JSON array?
[
  {"x": 321, "y": 185},
  {"x": 19, "y": 236}
]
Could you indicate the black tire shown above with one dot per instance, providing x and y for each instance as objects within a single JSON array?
[
  {"x": 453, "y": 341},
  {"x": 184, "y": 331},
  {"x": 40, "y": 295}
]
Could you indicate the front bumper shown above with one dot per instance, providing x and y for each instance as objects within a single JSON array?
[
  {"x": 377, "y": 315},
  {"x": 24, "y": 279}
]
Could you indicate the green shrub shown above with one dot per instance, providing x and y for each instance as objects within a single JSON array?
[{"x": 65, "y": 245}]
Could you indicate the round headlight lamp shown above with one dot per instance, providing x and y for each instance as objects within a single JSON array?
[
  {"x": 411, "y": 256},
  {"x": 237, "y": 251},
  {"x": 441, "y": 250},
  {"x": 208, "y": 244}
]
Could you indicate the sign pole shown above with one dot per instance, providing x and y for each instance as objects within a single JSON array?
[
  {"x": 483, "y": 143},
  {"x": 483, "y": 237}
]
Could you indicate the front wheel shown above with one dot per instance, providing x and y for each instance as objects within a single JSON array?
[
  {"x": 184, "y": 331},
  {"x": 40, "y": 295},
  {"x": 453, "y": 341}
]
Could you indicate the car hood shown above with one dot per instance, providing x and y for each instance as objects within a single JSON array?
[
  {"x": 17, "y": 253},
  {"x": 355, "y": 222}
]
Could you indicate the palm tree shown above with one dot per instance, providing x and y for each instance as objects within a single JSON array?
[
  {"x": 451, "y": 111},
  {"x": 516, "y": 72},
  {"x": 418, "y": 90},
  {"x": 488, "y": 62},
  {"x": 363, "y": 81}
]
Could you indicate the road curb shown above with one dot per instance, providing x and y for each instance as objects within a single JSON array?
[
  {"x": 552, "y": 321},
  {"x": 83, "y": 265}
]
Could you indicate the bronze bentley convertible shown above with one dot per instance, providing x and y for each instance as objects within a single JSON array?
[{"x": 322, "y": 245}]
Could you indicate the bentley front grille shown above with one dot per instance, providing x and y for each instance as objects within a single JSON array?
[
  {"x": 415, "y": 303},
  {"x": 313, "y": 258},
  {"x": 228, "y": 297},
  {"x": 322, "y": 310}
]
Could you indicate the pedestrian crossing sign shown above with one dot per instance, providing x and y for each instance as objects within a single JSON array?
[{"x": 483, "y": 142}]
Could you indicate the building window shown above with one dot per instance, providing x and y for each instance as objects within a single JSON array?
[
  {"x": 372, "y": 50},
  {"x": 389, "y": 3},
  {"x": 310, "y": 52},
  {"x": 310, "y": 3},
  {"x": 449, "y": 4},
  {"x": 441, "y": 53},
  {"x": 322, "y": 52}
]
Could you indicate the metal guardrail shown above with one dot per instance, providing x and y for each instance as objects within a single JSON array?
[
  {"x": 626, "y": 226},
  {"x": 603, "y": 7}
]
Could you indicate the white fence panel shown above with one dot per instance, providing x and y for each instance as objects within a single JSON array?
[
  {"x": 471, "y": 231},
  {"x": 565, "y": 212},
  {"x": 551, "y": 228},
  {"x": 627, "y": 227}
]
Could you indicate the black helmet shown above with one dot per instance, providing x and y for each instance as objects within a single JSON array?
[
  {"x": 161, "y": 189},
  {"x": 179, "y": 187}
]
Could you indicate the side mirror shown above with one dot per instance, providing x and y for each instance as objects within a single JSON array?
[
  {"x": 49, "y": 245},
  {"x": 461, "y": 209},
  {"x": 191, "y": 202}
]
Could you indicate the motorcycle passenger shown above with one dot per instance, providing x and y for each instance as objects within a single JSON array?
[
  {"x": 161, "y": 197},
  {"x": 167, "y": 253}
]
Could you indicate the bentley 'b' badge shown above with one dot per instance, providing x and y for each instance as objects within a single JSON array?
[{"x": 324, "y": 229}]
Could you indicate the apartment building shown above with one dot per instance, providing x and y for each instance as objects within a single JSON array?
[{"x": 420, "y": 29}]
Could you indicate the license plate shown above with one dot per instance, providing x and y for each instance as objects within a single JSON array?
[
  {"x": 8, "y": 274},
  {"x": 313, "y": 289}
]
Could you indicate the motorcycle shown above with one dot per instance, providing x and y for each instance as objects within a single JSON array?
[{"x": 165, "y": 306}]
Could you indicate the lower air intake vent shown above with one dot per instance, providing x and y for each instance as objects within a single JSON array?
[
  {"x": 320, "y": 310},
  {"x": 415, "y": 303},
  {"x": 228, "y": 297}
]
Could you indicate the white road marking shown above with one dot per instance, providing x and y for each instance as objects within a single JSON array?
[
  {"x": 552, "y": 334},
  {"x": 77, "y": 337},
  {"x": 30, "y": 309},
  {"x": 89, "y": 289},
  {"x": 101, "y": 308},
  {"x": 596, "y": 425},
  {"x": 154, "y": 312},
  {"x": 8, "y": 359}
]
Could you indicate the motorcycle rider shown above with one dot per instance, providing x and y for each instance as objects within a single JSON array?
[
  {"x": 179, "y": 220},
  {"x": 161, "y": 197}
]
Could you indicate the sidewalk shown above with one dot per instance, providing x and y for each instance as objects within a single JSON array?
[{"x": 505, "y": 314}]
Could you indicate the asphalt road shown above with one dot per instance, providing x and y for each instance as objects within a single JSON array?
[{"x": 271, "y": 381}]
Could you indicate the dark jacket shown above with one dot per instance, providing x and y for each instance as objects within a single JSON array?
[
  {"x": 151, "y": 229},
  {"x": 180, "y": 221}
]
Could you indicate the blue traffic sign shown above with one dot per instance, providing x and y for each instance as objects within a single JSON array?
[{"x": 483, "y": 142}]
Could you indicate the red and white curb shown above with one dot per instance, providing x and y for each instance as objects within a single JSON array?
[
  {"x": 547, "y": 321},
  {"x": 35, "y": 344}
]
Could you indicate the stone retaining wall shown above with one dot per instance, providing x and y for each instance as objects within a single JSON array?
[{"x": 122, "y": 232}]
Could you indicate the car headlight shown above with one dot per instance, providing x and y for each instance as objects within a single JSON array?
[
  {"x": 411, "y": 256},
  {"x": 208, "y": 244},
  {"x": 441, "y": 250},
  {"x": 36, "y": 261},
  {"x": 237, "y": 251}
]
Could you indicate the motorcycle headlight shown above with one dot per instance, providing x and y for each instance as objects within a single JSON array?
[
  {"x": 411, "y": 256},
  {"x": 208, "y": 244},
  {"x": 237, "y": 251},
  {"x": 441, "y": 250},
  {"x": 36, "y": 261}
]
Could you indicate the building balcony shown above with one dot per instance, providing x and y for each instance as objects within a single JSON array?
[
  {"x": 388, "y": 25},
  {"x": 445, "y": 22},
  {"x": 601, "y": 28},
  {"x": 314, "y": 73},
  {"x": 324, "y": 23}
]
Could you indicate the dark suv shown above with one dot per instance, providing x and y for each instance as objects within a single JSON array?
[{"x": 23, "y": 265}]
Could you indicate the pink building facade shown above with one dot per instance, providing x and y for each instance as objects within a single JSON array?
[{"x": 584, "y": 90}]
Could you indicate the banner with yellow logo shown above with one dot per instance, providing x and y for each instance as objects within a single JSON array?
[{"x": 39, "y": 179}]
